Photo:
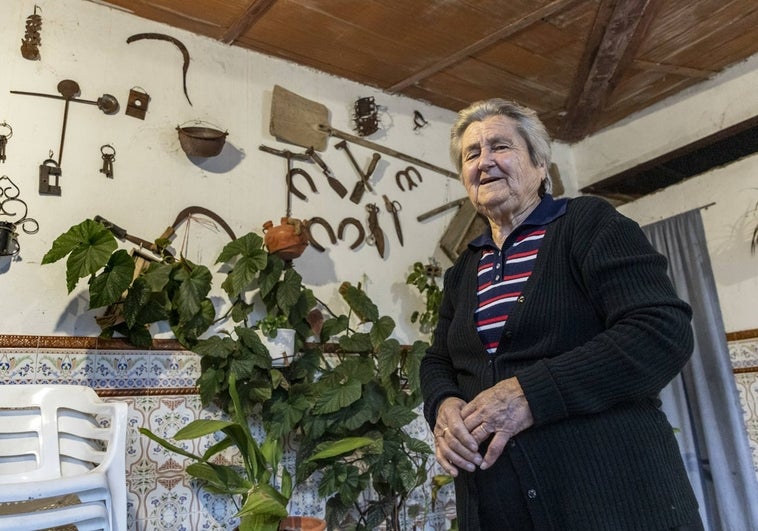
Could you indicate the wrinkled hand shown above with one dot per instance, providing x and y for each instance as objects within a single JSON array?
[
  {"x": 455, "y": 446},
  {"x": 501, "y": 410}
]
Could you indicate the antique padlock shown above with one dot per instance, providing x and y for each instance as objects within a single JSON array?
[
  {"x": 48, "y": 169},
  {"x": 137, "y": 104}
]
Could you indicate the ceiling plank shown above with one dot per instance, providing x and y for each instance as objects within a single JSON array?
[
  {"x": 616, "y": 35},
  {"x": 490, "y": 39},
  {"x": 683, "y": 71},
  {"x": 252, "y": 14}
]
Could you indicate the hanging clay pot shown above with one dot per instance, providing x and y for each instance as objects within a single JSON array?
[{"x": 288, "y": 240}]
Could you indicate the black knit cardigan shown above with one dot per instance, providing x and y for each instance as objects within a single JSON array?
[{"x": 596, "y": 334}]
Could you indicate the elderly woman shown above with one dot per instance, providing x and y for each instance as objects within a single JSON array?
[{"x": 558, "y": 328}]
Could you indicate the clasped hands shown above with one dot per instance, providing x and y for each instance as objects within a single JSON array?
[{"x": 500, "y": 411}]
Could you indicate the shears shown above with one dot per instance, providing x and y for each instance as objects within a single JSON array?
[{"x": 394, "y": 208}]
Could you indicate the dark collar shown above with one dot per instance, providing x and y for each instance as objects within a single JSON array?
[{"x": 548, "y": 210}]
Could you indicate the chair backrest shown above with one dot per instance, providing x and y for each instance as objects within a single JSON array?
[{"x": 53, "y": 431}]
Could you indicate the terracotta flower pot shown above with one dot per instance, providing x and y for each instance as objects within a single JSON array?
[
  {"x": 302, "y": 523},
  {"x": 288, "y": 240}
]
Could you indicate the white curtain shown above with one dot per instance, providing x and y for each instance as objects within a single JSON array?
[{"x": 702, "y": 403}]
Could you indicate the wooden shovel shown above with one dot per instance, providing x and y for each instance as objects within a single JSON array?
[{"x": 305, "y": 123}]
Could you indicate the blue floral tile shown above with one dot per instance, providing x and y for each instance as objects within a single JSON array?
[
  {"x": 17, "y": 366},
  {"x": 121, "y": 369},
  {"x": 65, "y": 366},
  {"x": 174, "y": 370}
]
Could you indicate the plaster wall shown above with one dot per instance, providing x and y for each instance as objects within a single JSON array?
[{"x": 230, "y": 89}]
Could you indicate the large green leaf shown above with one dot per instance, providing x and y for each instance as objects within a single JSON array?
[
  {"x": 241, "y": 278},
  {"x": 359, "y": 302},
  {"x": 108, "y": 287},
  {"x": 195, "y": 285},
  {"x": 158, "y": 275},
  {"x": 88, "y": 246},
  {"x": 288, "y": 290},
  {"x": 381, "y": 330},
  {"x": 265, "y": 501},
  {"x": 343, "y": 446},
  {"x": 333, "y": 327},
  {"x": 247, "y": 245},
  {"x": 334, "y": 398},
  {"x": 201, "y": 427},
  {"x": 270, "y": 275}
]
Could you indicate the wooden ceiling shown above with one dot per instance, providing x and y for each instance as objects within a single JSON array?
[{"x": 582, "y": 64}]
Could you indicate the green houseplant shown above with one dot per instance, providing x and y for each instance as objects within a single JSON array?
[
  {"x": 347, "y": 399},
  {"x": 352, "y": 418},
  {"x": 262, "y": 485}
]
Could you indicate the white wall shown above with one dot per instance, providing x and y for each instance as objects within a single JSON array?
[
  {"x": 721, "y": 102},
  {"x": 154, "y": 179},
  {"x": 231, "y": 89}
]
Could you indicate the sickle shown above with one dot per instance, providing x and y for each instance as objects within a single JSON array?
[
  {"x": 187, "y": 212},
  {"x": 355, "y": 223},
  {"x": 178, "y": 43},
  {"x": 330, "y": 232}
]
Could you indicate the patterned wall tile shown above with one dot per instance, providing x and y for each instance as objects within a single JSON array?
[
  {"x": 18, "y": 365},
  {"x": 65, "y": 366}
]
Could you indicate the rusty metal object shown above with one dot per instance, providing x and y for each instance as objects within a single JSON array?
[
  {"x": 293, "y": 189},
  {"x": 355, "y": 223},
  {"x": 4, "y": 140},
  {"x": 47, "y": 170},
  {"x": 69, "y": 90},
  {"x": 365, "y": 113},
  {"x": 394, "y": 208},
  {"x": 333, "y": 181},
  {"x": 408, "y": 173},
  {"x": 108, "y": 153},
  {"x": 329, "y": 231},
  {"x": 177, "y": 43},
  {"x": 31, "y": 42},
  {"x": 376, "y": 234},
  {"x": 363, "y": 184},
  {"x": 200, "y": 141},
  {"x": 137, "y": 104}
]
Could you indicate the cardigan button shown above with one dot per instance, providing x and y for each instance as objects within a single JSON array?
[
  {"x": 531, "y": 493},
  {"x": 521, "y": 299}
]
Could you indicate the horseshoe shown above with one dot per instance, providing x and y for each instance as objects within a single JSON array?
[
  {"x": 330, "y": 232},
  {"x": 355, "y": 223},
  {"x": 291, "y": 187}
]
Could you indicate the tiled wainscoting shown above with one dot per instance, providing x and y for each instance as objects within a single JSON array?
[
  {"x": 159, "y": 387},
  {"x": 744, "y": 356}
]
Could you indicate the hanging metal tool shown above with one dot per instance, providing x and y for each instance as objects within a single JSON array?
[
  {"x": 177, "y": 43},
  {"x": 136, "y": 106},
  {"x": 376, "y": 234},
  {"x": 305, "y": 123},
  {"x": 4, "y": 137},
  {"x": 109, "y": 157},
  {"x": 316, "y": 220},
  {"x": 48, "y": 170},
  {"x": 363, "y": 184},
  {"x": 69, "y": 90},
  {"x": 290, "y": 156},
  {"x": 365, "y": 116},
  {"x": 447, "y": 206},
  {"x": 394, "y": 208},
  {"x": 31, "y": 42},
  {"x": 333, "y": 182}
]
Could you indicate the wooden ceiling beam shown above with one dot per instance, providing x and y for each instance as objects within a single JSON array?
[
  {"x": 255, "y": 10},
  {"x": 507, "y": 31},
  {"x": 618, "y": 30}
]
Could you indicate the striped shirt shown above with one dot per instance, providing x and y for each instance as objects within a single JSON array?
[{"x": 503, "y": 273}]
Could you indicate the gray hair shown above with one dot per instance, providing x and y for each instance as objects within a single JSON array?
[{"x": 528, "y": 124}]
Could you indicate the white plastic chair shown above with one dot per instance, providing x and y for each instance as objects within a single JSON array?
[{"x": 53, "y": 443}]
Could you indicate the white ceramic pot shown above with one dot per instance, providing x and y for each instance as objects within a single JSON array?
[{"x": 281, "y": 347}]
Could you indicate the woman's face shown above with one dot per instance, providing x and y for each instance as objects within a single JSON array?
[{"x": 496, "y": 168}]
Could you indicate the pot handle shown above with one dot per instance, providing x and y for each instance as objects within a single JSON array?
[{"x": 200, "y": 123}]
